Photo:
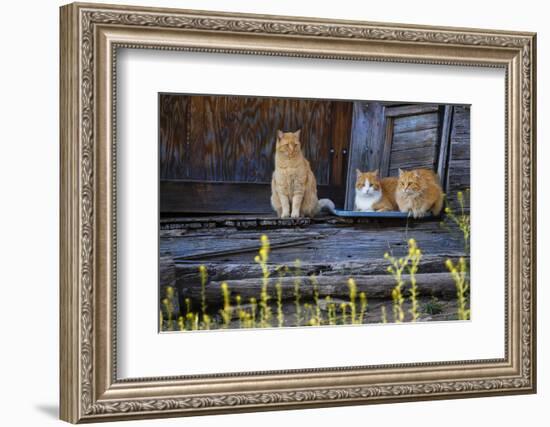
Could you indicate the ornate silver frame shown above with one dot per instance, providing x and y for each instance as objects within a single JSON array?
[{"x": 90, "y": 36}]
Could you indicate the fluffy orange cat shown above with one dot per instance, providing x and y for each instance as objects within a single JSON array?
[
  {"x": 419, "y": 192},
  {"x": 373, "y": 193},
  {"x": 293, "y": 185}
]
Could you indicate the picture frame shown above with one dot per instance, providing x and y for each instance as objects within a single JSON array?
[{"x": 91, "y": 34}]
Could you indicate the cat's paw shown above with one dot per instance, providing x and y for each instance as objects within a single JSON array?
[
  {"x": 419, "y": 214},
  {"x": 295, "y": 215},
  {"x": 285, "y": 215}
]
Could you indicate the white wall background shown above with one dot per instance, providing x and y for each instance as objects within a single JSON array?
[{"x": 29, "y": 170}]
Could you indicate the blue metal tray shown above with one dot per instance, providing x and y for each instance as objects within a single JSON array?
[{"x": 360, "y": 214}]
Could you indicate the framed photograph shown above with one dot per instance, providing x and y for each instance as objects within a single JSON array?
[{"x": 266, "y": 212}]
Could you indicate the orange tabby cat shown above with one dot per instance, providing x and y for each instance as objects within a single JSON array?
[
  {"x": 293, "y": 186},
  {"x": 419, "y": 192},
  {"x": 373, "y": 193}
]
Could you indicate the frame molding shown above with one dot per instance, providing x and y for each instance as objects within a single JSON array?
[{"x": 90, "y": 36}]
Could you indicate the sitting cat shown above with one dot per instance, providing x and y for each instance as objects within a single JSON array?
[
  {"x": 373, "y": 193},
  {"x": 293, "y": 185},
  {"x": 419, "y": 192}
]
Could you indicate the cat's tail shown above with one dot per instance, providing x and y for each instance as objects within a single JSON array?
[{"x": 326, "y": 205}]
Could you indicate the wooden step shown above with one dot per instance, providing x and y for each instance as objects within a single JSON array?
[{"x": 375, "y": 286}]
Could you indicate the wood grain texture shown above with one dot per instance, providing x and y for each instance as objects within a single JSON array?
[
  {"x": 326, "y": 242},
  {"x": 167, "y": 279},
  {"x": 186, "y": 272},
  {"x": 366, "y": 147},
  {"x": 458, "y": 175},
  {"x": 416, "y": 123},
  {"x": 417, "y": 143},
  {"x": 174, "y": 152},
  {"x": 341, "y": 136},
  {"x": 413, "y": 157},
  {"x": 232, "y": 138},
  {"x": 409, "y": 110},
  {"x": 414, "y": 138},
  {"x": 375, "y": 286}
]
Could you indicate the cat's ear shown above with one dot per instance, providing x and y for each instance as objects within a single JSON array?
[
  {"x": 279, "y": 134},
  {"x": 416, "y": 174},
  {"x": 358, "y": 172},
  {"x": 297, "y": 133},
  {"x": 400, "y": 171},
  {"x": 376, "y": 172}
]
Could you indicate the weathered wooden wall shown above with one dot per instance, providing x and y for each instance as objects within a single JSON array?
[
  {"x": 415, "y": 141},
  {"x": 208, "y": 140},
  {"x": 217, "y": 152},
  {"x": 232, "y": 138},
  {"x": 174, "y": 146},
  {"x": 458, "y": 178},
  {"x": 366, "y": 147},
  {"x": 390, "y": 137}
]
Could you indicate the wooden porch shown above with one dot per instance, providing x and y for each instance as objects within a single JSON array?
[{"x": 331, "y": 248}]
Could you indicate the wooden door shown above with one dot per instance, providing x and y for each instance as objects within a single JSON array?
[{"x": 412, "y": 138}]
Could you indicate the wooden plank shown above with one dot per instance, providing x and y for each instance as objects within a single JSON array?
[
  {"x": 375, "y": 286},
  {"x": 341, "y": 134},
  {"x": 199, "y": 221},
  {"x": 178, "y": 196},
  {"x": 367, "y": 142},
  {"x": 460, "y": 166},
  {"x": 459, "y": 182},
  {"x": 415, "y": 139},
  {"x": 187, "y": 273},
  {"x": 443, "y": 160},
  {"x": 410, "y": 110},
  {"x": 228, "y": 220},
  {"x": 376, "y": 134},
  {"x": 388, "y": 139},
  {"x": 173, "y": 136},
  {"x": 185, "y": 223},
  {"x": 242, "y": 249},
  {"x": 414, "y": 136},
  {"x": 460, "y": 133},
  {"x": 459, "y": 161},
  {"x": 336, "y": 243},
  {"x": 338, "y": 249},
  {"x": 405, "y": 158},
  {"x": 460, "y": 151},
  {"x": 416, "y": 123},
  {"x": 240, "y": 222},
  {"x": 423, "y": 153},
  {"x": 167, "y": 278}
]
